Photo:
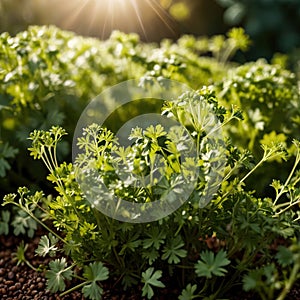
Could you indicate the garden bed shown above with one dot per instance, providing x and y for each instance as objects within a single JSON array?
[
  {"x": 207, "y": 213},
  {"x": 20, "y": 282}
]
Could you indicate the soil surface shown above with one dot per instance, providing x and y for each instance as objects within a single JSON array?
[{"x": 19, "y": 282}]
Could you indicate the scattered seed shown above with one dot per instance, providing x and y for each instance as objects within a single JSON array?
[{"x": 11, "y": 275}]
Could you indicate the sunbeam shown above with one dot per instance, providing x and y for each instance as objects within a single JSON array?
[
  {"x": 139, "y": 17},
  {"x": 161, "y": 13},
  {"x": 100, "y": 17}
]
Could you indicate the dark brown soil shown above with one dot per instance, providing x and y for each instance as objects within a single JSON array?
[{"x": 21, "y": 282}]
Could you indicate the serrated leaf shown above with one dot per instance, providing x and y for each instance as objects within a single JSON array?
[
  {"x": 250, "y": 281},
  {"x": 284, "y": 256},
  {"x": 57, "y": 275},
  {"x": 210, "y": 264},
  {"x": 156, "y": 238},
  {"x": 152, "y": 254},
  {"x": 188, "y": 292},
  {"x": 4, "y": 166},
  {"x": 92, "y": 291},
  {"x": 6, "y": 151},
  {"x": 128, "y": 281},
  {"x": 47, "y": 245},
  {"x": 4, "y": 222},
  {"x": 269, "y": 271},
  {"x": 131, "y": 245},
  {"x": 151, "y": 278},
  {"x": 173, "y": 250},
  {"x": 94, "y": 273},
  {"x": 24, "y": 224}
]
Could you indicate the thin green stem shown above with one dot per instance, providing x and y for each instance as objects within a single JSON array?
[
  {"x": 30, "y": 265},
  {"x": 121, "y": 263},
  {"x": 51, "y": 160},
  {"x": 286, "y": 208},
  {"x": 232, "y": 117},
  {"x": 229, "y": 50},
  {"x": 185, "y": 267},
  {"x": 253, "y": 170},
  {"x": 42, "y": 223},
  {"x": 79, "y": 277},
  {"x": 293, "y": 277},
  {"x": 74, "y": 288},
  {"x": 46, "y": 163},
  {"x": 55, "y": 155},
  {"x": 282, "y": 190}
]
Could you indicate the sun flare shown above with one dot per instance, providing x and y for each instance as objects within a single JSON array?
[{"x": 100, "y": 17}]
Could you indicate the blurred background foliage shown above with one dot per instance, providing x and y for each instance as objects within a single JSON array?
[
  {"x": 151, "y": 19},
  {"x": 34, "y": 58},
  {"x": 273, "y": 25}
]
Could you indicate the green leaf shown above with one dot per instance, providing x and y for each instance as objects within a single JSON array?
[
  {"x": 269, "y": 273},
  {"x": 188, "y": 293},
  {"x": 210, "y": 264},
  {"x": 4, "y": 166},
  {"x": 151, "y": 278},
  {"x": 129, "y": 281},
  {"x": 173, "y": 250},
  {"x": 92, "y": 291},
  {"x": 4, "y": 222},
  {"x": 19, "y": 255},
  {"x": 6, "y": 152},
  {"x": 57, "y": 275},
  {"x": 151, "y": 255},
  {"x": 93, "y": 273},
  {"x": 250, "y": 280},
  {"x": 47, "y": 245},
  {"x": 24, "y": 224},
  {"x": 154, "y": 132},
  {"x": 284, "y": 256},
  {"x": 131, "y": 244},
  {"x": 156, "y": 238},
  {"x": 259, "y": 278}
]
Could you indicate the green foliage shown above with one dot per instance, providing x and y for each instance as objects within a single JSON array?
[
  {"x": 58, "y": 273},
  {"x": 275, "y": 280},
  {"x": 150, "y": 278},
  {"x": 173, "y": 250},
  {"x": 284, "y": 256},
  {"x": 47, "y": 245},
  {"x": 269, "y": 98},
  {"x": 23, "y": 223},
  {"x": 6, "y": 152},
  {"x": 239, "y": 127},
  {"x": 246, "y": 224},
  {"x": 188, "y": 292},
  {"x": 264, "y": 20},
  {"x": 212, "y": 265},
  {"x": 118, "y": 243},
  {"x": 156, "y": 238},
  {"x": 94, "y": 273},
  {"x": 43, "y": 85},
  {"x": 4, "y": 222},
  {"x": 20, "y": 256},
  {"x": 20, "y": 253}
]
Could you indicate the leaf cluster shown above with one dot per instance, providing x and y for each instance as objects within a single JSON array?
[{"x": 206, "y": 246}]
